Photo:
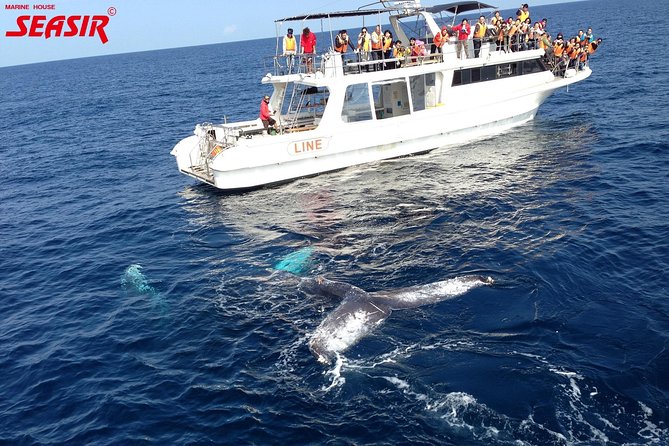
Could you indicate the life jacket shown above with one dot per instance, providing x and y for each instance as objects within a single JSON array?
[
  {"x": 340, "y": 44},
  {"x": 523, "y": 15},
  {"x": 584, "y": 56},
  {"x": 512, "y": 30},
  {"x": 592, "y": 48},
  {"x": 365, "y": 44},
  {"x": 378, "y": 44},
  {"x": 482, "y": 28},
  {"x": 387, "y": 43},
  {"x": 438, "y": 40},
  {"x": 543, "y": 43},
  {"x": 290, "y": 43},
  {"x": 558, "y": 49}
]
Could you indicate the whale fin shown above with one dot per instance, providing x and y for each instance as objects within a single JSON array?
[
  {"x": 360, "y": 312},
  {"x": 416, "y": 296},
  {"x": 345, "y": 326}
]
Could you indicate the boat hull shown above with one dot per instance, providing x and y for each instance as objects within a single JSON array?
[{"x": 461, "y": 121}]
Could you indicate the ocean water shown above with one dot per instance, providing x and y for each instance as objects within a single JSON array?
[{"x": 140, "y": 307}]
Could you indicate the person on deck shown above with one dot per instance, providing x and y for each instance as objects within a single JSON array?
[
  {"x": 440, "y": 39},
  {"x": 364, "y": 46},
  {"x": 342, "y": 42},
  {"x": 523, "y": 13},
  {"x": 480, "y": 30},
  {"x": 463, "y": 30},
  {"x": 289, "y": 48},
  {"x": 377, "y": 43},
  {"x": 308, "y": 48},
  {"x": 266, "y": 115}
]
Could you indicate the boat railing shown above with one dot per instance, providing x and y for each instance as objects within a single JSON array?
[{"x": 294, "y": 64}]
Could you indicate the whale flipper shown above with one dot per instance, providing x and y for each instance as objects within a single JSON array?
[
  {"x": 416, "y": 296},
  {"x": 360, "y": 312},
  {"x": 345, "y": 326}
]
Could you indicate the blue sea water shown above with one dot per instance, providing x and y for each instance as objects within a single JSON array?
[{"x": 139, "y": 306}]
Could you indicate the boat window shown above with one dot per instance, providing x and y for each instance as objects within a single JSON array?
[
  {"x": 533, "y": 66},
  {"x": 356, "y": 104},
  {"x": 300, "y": 99},
  {"x": 391, "y": 98},
  {"x": 417, "y": 92},
  {"x": 499, "y": 71}
]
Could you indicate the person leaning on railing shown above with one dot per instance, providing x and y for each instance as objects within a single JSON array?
[
  {"x": 342, "y": 42},
  {"x": 439, "y": 40}
]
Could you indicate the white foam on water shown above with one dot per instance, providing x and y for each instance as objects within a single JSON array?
[{"x": 336, "y": 378}]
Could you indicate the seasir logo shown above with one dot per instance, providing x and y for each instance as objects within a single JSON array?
[{"x": 62, "y": 26}]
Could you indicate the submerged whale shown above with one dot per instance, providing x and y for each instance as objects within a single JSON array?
[{"x": 360, "y": 312}]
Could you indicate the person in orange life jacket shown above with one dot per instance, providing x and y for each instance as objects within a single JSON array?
[
  {"x": 463, "y": 30},
  {"x": 266, "y": 115},
  {"x": 308, "y": 47},
  {"x": 342, "y": 41},
  {"x": 289, "y": 48},
  {"x": 440, "y": 39},
  {"x": 480, "y": 30},
  {"x": 377, "y": 43},
  {"x": 417, "y": 47}
]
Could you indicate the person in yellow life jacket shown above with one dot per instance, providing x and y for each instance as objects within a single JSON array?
[
  {"x": 289, "y": 49},
  {"x": 342, "y": 42},
  {"x": 523, "y": 13},
  {"x": 387, "y": 44},
  {"x": 479, "y": 33},
  {"x": 364, "y": 46}
]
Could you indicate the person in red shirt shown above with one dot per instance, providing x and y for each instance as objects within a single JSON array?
[
  {"x": 308, "y": 45},
  {"x": 266, "y": 115},
  {"x": 463, "y": 30}
]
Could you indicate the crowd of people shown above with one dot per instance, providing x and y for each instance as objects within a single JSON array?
[{"x": 506, "y": 35}]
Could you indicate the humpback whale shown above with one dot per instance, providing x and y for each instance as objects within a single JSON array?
[{"x": 360, "y": 312}]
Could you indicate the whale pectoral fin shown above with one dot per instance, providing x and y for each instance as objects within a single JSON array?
[
  {"x": 345, "y": 326},
  {"x": 430, "y": 293},
  {"x": 329, "y": 288}
]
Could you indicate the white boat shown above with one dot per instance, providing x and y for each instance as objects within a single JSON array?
[{"x": 343, "y": 115}]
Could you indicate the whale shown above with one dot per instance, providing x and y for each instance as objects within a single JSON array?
[{"x": 360, "y": 312}]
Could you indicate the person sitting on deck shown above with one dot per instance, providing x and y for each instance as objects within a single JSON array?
[
  {"x": 266, "y": 115},
  {"x": 399, "y": 52},
  {"x": 463, "y": 30},
  {"x": 342, "y": 42}
]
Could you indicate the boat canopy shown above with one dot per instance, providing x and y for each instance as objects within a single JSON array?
[
  {"x": 458, "y": 7},
  {"x": 453, "y": 8}
]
